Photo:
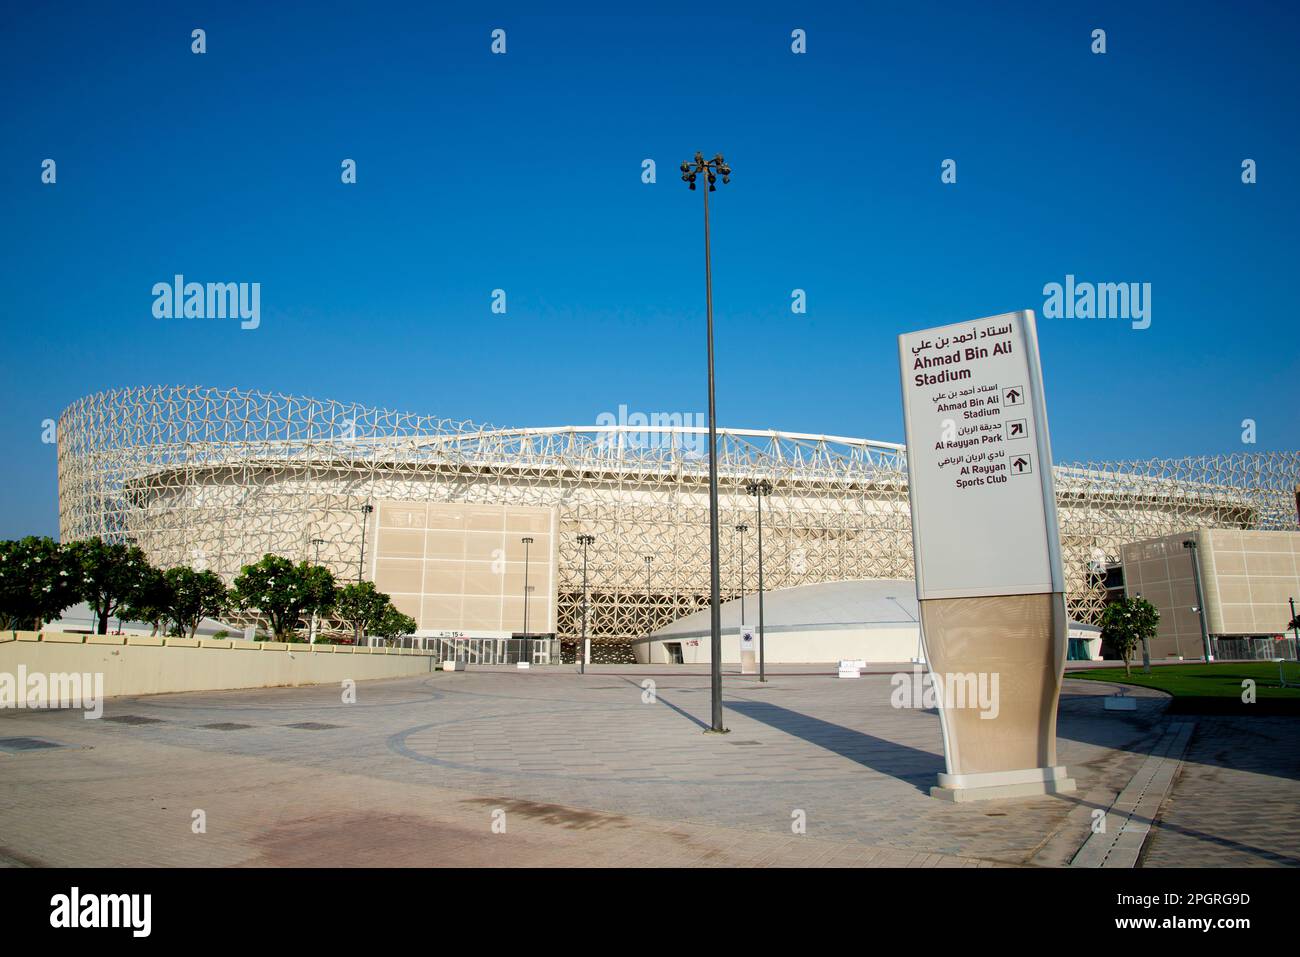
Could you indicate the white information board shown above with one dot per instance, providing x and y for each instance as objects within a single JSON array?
[
  {"x": 979, "y": 461},
  {"x": 747, "y": 642}
]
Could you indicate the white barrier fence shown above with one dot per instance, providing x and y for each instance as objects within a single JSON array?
[{"x": 483, "y": 651}]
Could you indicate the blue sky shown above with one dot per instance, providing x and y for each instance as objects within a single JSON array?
[{"x": 523, "y": 172}]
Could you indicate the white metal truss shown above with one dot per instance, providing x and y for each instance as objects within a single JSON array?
[{"x": 216, "y": 478}]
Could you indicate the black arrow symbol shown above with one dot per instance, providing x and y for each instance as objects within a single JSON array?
[
  {"x": 1013, "y": 395},
  {"x": 1019, "y": 464},
  {"x": 1017, "y": 428}
]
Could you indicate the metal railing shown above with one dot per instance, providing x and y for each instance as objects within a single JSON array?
[
  {"x": 1254, "y": 649},
  {"x": 481, "y": 651}
]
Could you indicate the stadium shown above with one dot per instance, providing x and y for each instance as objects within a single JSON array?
[{"x": 474, "y": 530}]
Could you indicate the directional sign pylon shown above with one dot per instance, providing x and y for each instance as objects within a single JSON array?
[{"x": 987, "y": 553}]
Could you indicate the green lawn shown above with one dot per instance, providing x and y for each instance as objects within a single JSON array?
[{"x": 1214, "y": 687}]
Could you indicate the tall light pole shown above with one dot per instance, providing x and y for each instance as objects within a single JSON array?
[
  {"x": 1190, "y": 544},
  {"x": 760, "y": 488},
  {"x": 742, "y": 529},
  {"x": 711, "y": 169},
  {"x": 648, "y": 560},
  {"x": 366, "y": 509},
  {"x": 361, "y": 560},
  {"x": 584, "y": 541},
  {"x": 1146, "y": 648},
  {"x": 317, "y": 542},
  {"x": 527, "y": 541},
  {"x": 1295, "y": 628}
]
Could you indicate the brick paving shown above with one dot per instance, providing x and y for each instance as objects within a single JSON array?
[
  {"x": 585, "y": 773},
  {"x": 1235, "y": 800}
]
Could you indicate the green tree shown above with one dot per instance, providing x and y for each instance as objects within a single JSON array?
[
  {"x": 112, "y": 574},
  {"x": 362, "y": 606},
  {"x": 284, "y": 592},
  {"x": 1127, "y": 623},
  {"x": 194, "y": 596},
  {"x": 393, "y": 624},
  {"x": 150, "y": 601},
  {"x": 37, "y": 582}
]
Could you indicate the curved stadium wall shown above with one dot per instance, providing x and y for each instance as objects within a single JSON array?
[{"x": 217, "y": 478}]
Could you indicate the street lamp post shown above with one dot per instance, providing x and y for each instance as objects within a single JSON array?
[
  {"x": 1200, "y": 598},
  {"x": 1146, "y": 649},
  {"x": 366, "y": 509},
  {"x": 361, "y": 561},
  {"x": 711, "y": 169},
  {"x": 759, "y": 489},
  {"x": 742, "y": 529},
  {"x": 527, "y": 541},
  {"x": 648, "y": 559},
  {"x": 584, "y": 541},
  {"x": 1295, "y": 628},
  {"x": 317, "y": 542}
]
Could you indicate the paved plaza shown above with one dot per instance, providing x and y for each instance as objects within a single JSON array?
[{"x": 581, "y": 770}]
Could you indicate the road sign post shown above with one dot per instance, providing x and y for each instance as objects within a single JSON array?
[
  {"x": 748, "y": 651},
  {"x": 987, "y": 553}
]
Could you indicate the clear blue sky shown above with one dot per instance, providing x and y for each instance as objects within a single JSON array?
[{"x": 522, "y": 172}]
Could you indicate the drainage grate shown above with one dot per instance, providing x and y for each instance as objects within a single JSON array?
[
  {"x": 313, "y": 726},
  {"x": 225, "y": 726},
  {"x": 744, "y": 742},
  {"x": 26, "y": 744},
  {"x": 132, "y": 719}
]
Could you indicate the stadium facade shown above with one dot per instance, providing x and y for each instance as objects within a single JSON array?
[{"x": 435, "y": 510}]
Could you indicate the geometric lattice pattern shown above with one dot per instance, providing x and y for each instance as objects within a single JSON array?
[{"x": 216, "y": 478}]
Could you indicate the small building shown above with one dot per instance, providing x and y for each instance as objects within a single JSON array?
[
  {"x": 873, "y": 620},
  {"x": 1248, "y": 579}
]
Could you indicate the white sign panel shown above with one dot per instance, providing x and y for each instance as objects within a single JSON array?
[
  {"x": 979, "y": 462},
  {"x": 747, "y": 642}
]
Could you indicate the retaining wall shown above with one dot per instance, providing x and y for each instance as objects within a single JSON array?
[{"x": 134, "y": 665}]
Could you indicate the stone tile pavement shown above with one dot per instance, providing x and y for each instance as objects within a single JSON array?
[
  {"x": 584, "y": 772},
  {"x": 1235, "y": 800}
]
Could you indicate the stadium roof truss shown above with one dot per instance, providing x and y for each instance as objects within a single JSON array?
[{"x": 216, "y": 478}]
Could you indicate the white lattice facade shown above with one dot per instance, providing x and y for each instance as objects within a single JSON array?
[{"x": 216, "y": 479}]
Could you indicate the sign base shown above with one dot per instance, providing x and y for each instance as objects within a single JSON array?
[
  {"x": 991, "y": 785},
  {"x": 748, "y": 663}
]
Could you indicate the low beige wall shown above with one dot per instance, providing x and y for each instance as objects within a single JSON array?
[{"x": 135, "y": 666}]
